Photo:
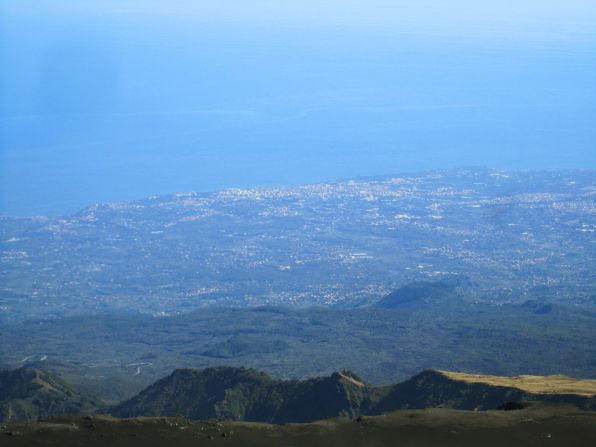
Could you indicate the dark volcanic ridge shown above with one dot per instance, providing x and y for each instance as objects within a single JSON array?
[
  {"x": 243, "y": 394},
  {"x": 249, "y": 395}
]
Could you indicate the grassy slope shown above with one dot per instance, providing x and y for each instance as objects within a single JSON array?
[
  {"x": 439, "y": 389},
  {"x": 557, "y": 384}
]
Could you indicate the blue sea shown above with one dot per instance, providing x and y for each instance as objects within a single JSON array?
[{"x": 98, "y": 111}]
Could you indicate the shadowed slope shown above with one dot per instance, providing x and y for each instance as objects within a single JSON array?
[
  {"x": 29, "y": 394},
  {"x": 468, "y": 392},
  {"x": 245, "y": 394}
]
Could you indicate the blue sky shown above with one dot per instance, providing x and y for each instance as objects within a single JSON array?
[
  {"x": 116, "y": 100},
  {"x": 548, "y": 19}
]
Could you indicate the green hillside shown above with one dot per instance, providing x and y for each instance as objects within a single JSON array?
[
  {"x": 30, "y": 394},
  {"x": 101, "y": 354},
  {"x": 249, "y": 395},
  {"x": 246, "y": 394},
  {"x": 427, "y": 292}
]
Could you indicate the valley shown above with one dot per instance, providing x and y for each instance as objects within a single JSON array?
[{"x": 441, "y": 330}]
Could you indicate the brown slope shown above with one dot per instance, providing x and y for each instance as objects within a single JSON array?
[{"x": 463, "y": 391}]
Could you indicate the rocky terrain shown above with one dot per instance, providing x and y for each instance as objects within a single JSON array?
[{"x": 534, "y": 425}]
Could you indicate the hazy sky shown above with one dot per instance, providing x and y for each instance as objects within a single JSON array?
[
  {"x": 551, "y": 19},
  {"x": 116, "y": 100}
]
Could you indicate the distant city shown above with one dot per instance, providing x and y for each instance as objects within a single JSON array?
[{"x": 512, "y": 235}]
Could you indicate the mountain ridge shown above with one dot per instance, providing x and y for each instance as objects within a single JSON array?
[
  {"x": 29, "y": 394},
  {"x": 246, "y": 394},
  {"x": 243, "y": 394}
]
